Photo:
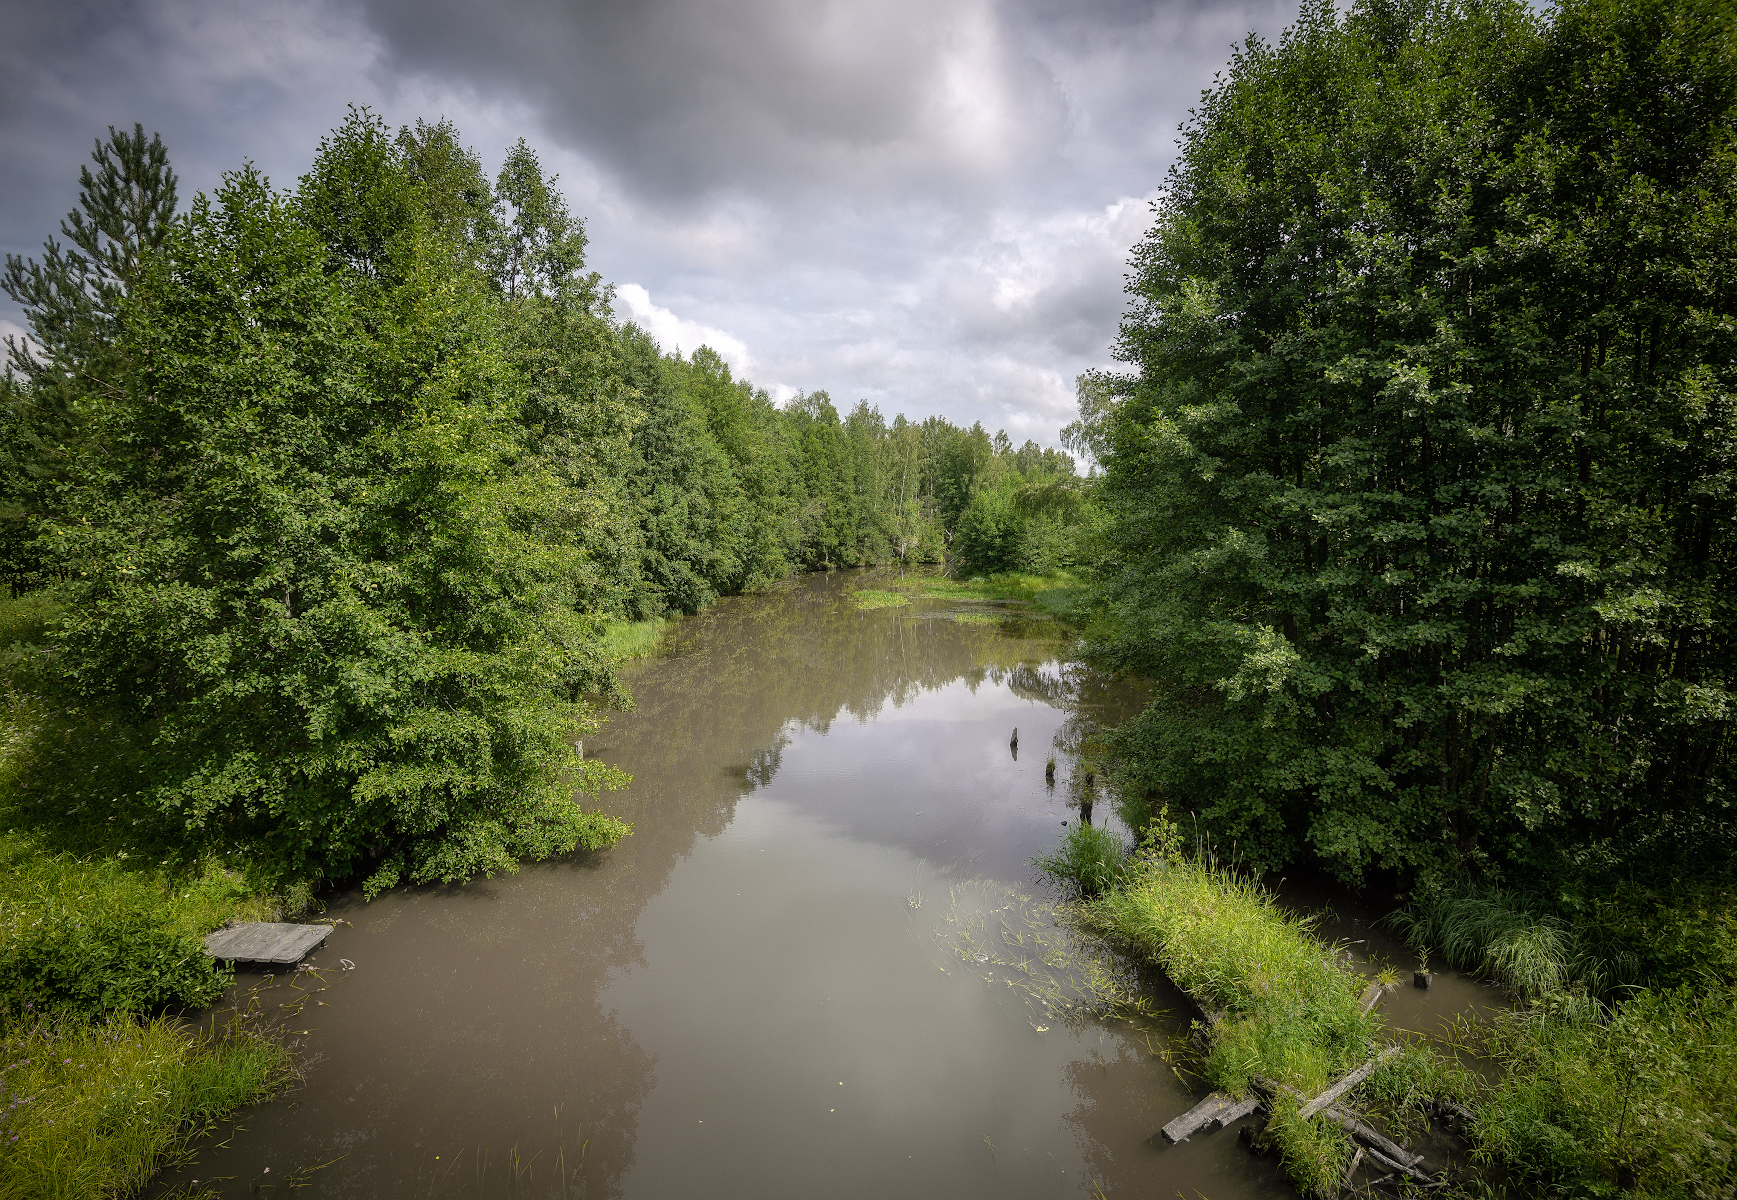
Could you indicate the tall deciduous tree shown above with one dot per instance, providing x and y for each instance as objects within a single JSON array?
[{"x": 1423, "y": 483}]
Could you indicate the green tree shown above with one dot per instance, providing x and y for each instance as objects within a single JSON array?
[
  {"x": 309, "y": 565},
  {"x": 1421, "y": 488},
  {"x": 71, "y": 299}
]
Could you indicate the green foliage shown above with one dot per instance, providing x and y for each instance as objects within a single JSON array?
[
  {"x": 103, "y": 965},
  {"x": 90, "y": 1110},
  {"x": 1420, "y": 494},
  {"x": 1286, "y": 1010},
  {"x": 360, "y": 493},
  {"x": 1515, "y": 940},
  {"x": 1089, "y": 862},
  {"x": 306, "y": 565},
  {"x": 1640, "y": 1105}
]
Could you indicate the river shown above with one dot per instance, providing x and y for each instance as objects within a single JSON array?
[{"x": 820, "y": 966}]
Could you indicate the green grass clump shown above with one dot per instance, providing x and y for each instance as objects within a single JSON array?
[
  {"x": 91, "y": 1110},
  {"x": 624, "y": 641},
  {"x": 869, "y": 598},
  {"x": 1515, "y": 940},
  {"x": 1288, "y": 1012},
  {"x": 1055, "y": 593},
  {"x": 1088, "y": 862},
  {"x": 1643, "y": 1104}
]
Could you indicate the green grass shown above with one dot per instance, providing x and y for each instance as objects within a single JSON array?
[
  {"x": 91, "y": 1110},
  {"x": 1056, "y": 593},
  {"x": 869, "y": 599},
  {"x": 1513, "y": 939},
  {"x": 624, "y": 641},
  {"x": 1289, "y": 1012},
  {"x": 1643, "y": 1104},
  {"x": 1089, "y": 861}
]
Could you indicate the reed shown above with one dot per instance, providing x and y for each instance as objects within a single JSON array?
[
  {"x": 624, "y": 641},
  {"x": 1088, "y": 862},
  {"x": 91, "y": 1110},
  {"x": 1513, "y": 939}
]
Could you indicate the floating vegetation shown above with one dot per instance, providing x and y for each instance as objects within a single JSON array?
[
  {"x": 869, "y": 598},
  {"x": 1010, "y": 939}
]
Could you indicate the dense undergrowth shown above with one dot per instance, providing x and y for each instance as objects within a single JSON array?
[{"x": 90, "y": 1110}]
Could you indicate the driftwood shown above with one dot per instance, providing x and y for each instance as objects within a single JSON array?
[
  {"x": 1372, "y": 995},
  {"x": 1346, "y": 1084},
  {"x": 1199, "y": 1117},
  {"x": 1237, "y": 1112},
  {"x": 1377, "y": 1142},
  {"x": 1408, "y": 1170},
  {"x": 1352, "y": 1169},
  {"x": 1402, "y": 1158}
]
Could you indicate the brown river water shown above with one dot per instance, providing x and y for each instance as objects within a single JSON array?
[{"x": 821, "y": 966}]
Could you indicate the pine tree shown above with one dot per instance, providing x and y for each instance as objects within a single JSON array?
[{"x": 71, "y": 299}]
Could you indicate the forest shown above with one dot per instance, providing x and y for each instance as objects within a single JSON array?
[{"x": 338, "y": 488}]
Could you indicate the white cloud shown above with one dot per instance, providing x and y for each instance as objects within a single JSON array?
[{"x": 674, "y": 333}]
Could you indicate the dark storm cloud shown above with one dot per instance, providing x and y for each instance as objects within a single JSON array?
[
  {"x": 927, "y": 203},
  {"x": 680, "y": 97}
]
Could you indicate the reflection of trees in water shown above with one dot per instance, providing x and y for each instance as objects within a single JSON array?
[{"x": 801, "y": 654}]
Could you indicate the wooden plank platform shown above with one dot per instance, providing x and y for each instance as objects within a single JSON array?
[{"x": 260, "y": 941}]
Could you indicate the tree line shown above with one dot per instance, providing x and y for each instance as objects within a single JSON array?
[
  {"x": 1419, "y": 488},
  {"x": 337, "y": 487}
]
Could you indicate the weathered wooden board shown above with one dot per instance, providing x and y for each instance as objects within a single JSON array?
[
  {"x": 260, "y": 941},
  {"x": 1198, "y": 1117}
]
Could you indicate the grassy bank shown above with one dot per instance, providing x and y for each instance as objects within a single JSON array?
[
  {"x": 92, "y": 1109},
  {"x": 1632, "y": 1094},
  {"x": 1279, "y": 1003},
  {"x": 1619, "y": 1073},
  {"x": 101, "y": 921}
]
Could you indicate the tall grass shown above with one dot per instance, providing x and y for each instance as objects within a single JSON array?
[
  {"x": 90, "y": 1110},
  {"x": 1089, "y": 861},
  {"x": 624, "y": 641},
  {"x": 1286, "y": 1010},
  {"x": 1644, "y": 1103},
  {"x": 868, "y": 598},
  {"x": 1514, "y": 939}
]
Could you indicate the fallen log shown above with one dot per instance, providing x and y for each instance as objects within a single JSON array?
[
  {"x": 1346, "y": 1084},
  {"x": 1198, "y": 1117},
  {"x": 1372, "y": 994},
  {"x": 1357, "y": 1129},
  {"x": 1374, "y": 1140},
  {"x": 1237, "y": 1112},
  {"x": 1410, "y": 1172},
  {"x": 1352, "y": 1169}
]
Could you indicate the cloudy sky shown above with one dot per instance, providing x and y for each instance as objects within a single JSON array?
[{"x": 924, "y": 203}]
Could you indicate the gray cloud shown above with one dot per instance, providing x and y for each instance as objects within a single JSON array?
[{"x": 927, "y": 203}]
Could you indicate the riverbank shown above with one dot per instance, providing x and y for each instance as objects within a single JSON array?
[
  {"x": 100, "y": 927},
  {"x": 1633, "y": 1094}
]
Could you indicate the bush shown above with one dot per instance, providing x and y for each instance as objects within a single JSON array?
[
  {"x": 127, "y": 963},
  {"x": 1645, "y": 1103}
]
